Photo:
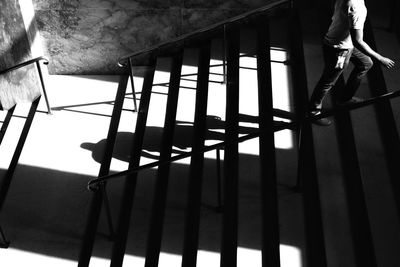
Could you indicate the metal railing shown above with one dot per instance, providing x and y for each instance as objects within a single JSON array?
[
  {"x": 35, "y": 61},
  {"x": 295, "y": 124},
  {"x": 147, "y": 57},
  {"x": 374, "y": 100},
  {"x": 6, "y": 180},
  {"x": 93, "y": 183},
  {"x": 194, "y": 36},
  {"x": 300, "y": 122}
]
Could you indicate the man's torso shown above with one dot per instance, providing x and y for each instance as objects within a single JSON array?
[{"x": 348, "y": 14}]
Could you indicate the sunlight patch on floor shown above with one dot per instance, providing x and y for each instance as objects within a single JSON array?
[
  {"x": 281, "y": 88},
  {"x": 17, "y": 258},
  {"x": 82, "y": 113},
  {"x": 290, "y": 257}
]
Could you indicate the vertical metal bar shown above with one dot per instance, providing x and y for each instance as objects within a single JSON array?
[
  {"x": 161, "y": 186},
  {"x": 386, "y": 120},
  {"x": 307, "y": 173},
  {"x": 5, "y": 183},
  {"x": 6, "y": 122},
  {"x": 97, "y": 199},
  {"x": 224, "y": 56},
  {"x": 230, "y": 211},
  {"x": 192, "y": 221},
  {"x": 219, "y": 180},
  {"x": 122, "y": 228},
  {"x": 358, "y": 213},
  {"x": 4, "y": 243},
  {"x": 269, "y": 195},
  {"x": 107, "y": 210},
  {"x": 43, "y": 87},
  {"x": 132, "y": 83}
]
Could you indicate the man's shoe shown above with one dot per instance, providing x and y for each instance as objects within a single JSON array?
[
  {"x": 353, "y": 100},
  {"x": 321, "y": 121}
]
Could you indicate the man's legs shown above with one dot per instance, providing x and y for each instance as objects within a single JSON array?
[
  {"x": 362, "y": 63},
  {"x": 329, "y": 76}
]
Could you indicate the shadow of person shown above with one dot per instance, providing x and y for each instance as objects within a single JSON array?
[{"x": 153, "y": 140}]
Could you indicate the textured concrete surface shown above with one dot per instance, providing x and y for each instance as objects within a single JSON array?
[
  {"x": 88, "y": 36},
  {"x": 20, "y": 85}
]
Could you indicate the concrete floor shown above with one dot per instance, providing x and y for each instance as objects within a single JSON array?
[
  {"x": 46, "y": 207},
  {"x": 45, "y": 211}
]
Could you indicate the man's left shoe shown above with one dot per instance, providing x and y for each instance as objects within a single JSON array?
[{"x": 321, "y": 121}]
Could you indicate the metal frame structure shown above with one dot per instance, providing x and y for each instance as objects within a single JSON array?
[
  {"x": 299, "y": 121},
  {"x": 6, "y": 181}
]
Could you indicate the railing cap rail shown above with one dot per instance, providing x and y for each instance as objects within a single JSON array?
[
  {"x": 122, "y": 61},
  {"x": 23, "y": 64}
]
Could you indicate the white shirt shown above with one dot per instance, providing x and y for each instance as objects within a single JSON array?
[{"x": 348, "y": 14}]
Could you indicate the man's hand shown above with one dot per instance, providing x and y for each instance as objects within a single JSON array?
[
  {"x": 357, "y": 36},
  {"x": 387, "y": 62}
]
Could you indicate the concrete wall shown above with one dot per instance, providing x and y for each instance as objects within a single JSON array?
[
  {"x": 88, "y": 36},
  {"x": 20, "y": 85}
]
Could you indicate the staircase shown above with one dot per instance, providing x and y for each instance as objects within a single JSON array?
[
  {"x": 210, "y": 177},
  {"x": 228, "y": 33}
]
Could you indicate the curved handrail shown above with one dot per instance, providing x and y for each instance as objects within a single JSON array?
[
  {"x": 122, "y": 61},
  {"x": 46, "y": 61}
]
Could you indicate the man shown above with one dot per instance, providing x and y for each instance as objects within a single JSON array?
[{"x": 343, "y": 43}]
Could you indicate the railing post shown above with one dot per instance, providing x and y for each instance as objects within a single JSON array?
[
  {"x": 130, "y": 69},
  {"x": 307, "y": 172},
  {"x": 230, "y": 211},
  {"x": 122, "y": 228},
  {"x": 97, "y": 199},
  {"x": 43, "y": 87},
  {"x": 6, "y": 122},
  {"x": 355, "y": 196},
  {"x": 224, "y": 56},
  {"x": 4, "y": 243},
  {"x": 161, "y": 185},
  {"x": 6, "y": 181},
  {"x": 269, "y": 194},
  {"x": 192, "y": 218}
]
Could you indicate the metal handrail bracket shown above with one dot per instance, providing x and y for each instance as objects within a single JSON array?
[
  {"x": 26, "y": 63},
  {"x": 35, "y": 61}
]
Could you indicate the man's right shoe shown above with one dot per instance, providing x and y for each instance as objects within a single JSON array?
[
  {"x": 321, "y": 121},
  {"x": 353, "y": 100}
]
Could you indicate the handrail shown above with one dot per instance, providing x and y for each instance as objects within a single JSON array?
[
  {"x": 32, "y": 61},
  {"x": 367, "y": 102},
  {"x": 46, "y": 61},
  {"x": 278, "y": 127},
  {"x": 122, "y": 61},
  {"x": 92, "y": 183}
]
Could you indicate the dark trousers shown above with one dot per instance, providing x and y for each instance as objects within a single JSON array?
[{"x": 332, "y": 71}]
